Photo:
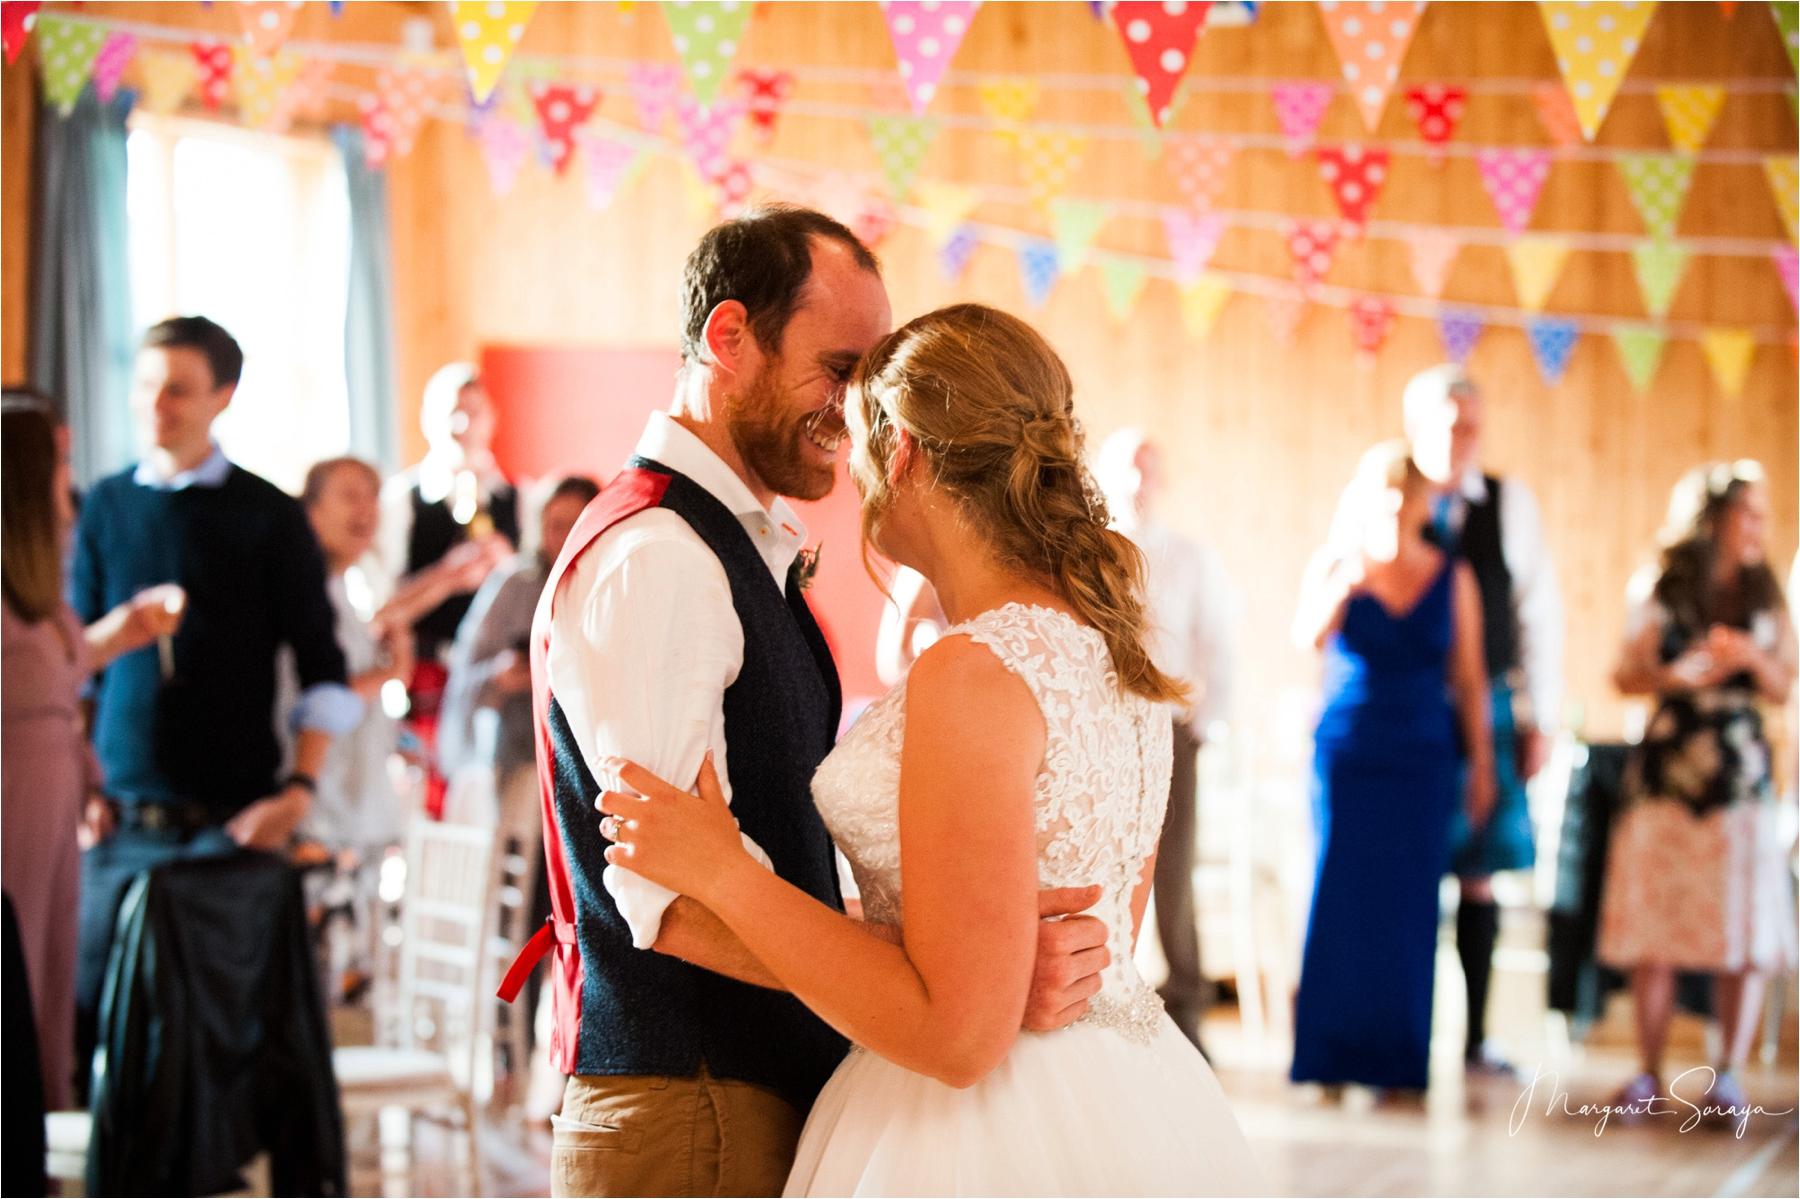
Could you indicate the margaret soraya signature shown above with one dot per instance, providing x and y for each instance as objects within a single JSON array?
[{"x": 1688, "y": 1094}]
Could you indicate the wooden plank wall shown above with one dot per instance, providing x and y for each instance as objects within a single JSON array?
[{"x": 1260, "y": 435}]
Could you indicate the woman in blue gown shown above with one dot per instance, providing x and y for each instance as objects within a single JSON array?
[{"x": 1405, "y": 709}]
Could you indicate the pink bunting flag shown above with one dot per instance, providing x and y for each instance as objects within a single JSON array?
[
  {"x": 1788, "y": 267},
  {"x": 607, "y": 162},
  {"x": 1513, "y": 179},
  {"x": 562, "y": 108},
  {"x": 306, "y": 95},
  {"x": 926, "y": 34},
  {"x": 706, "y": 134},
  {"x": 214, "y": 62},
  {"x": 1371, "y": 319},
  {"x": 1192, "y": 238},
  {"x": 1312, "y": 244},
  {"x": 1557, "y": 113},
  {"x": 1299, "y": 107},
  {"x": 866, "y": 210},
  {"x": 654, "y": 87},
  {"x": 267, "y": 23},
  {"x": 378, "y": 132},
  {"x": 406, "y": 90},
  {"x": 1200, "y": 165},
  {"x": 16, "y": 20},
  {"x": 1354, "y": 174},
  {"x": 1159, "y": 39},
  {"x": 1436, "y": 110},
  {"x": 1285, "y": 311},
  {"x": 1370, "y": 40},
  {"x": 1433, "y": 254},
  {"x": 505, "y": 145},
  {"x": 764, "y": 92},
  {"x": 110, "y": 65}
]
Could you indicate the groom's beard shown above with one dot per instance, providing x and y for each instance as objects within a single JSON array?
[{"x": 773, "y": 443}]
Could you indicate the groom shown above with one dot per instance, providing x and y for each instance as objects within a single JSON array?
[{"x": 673, "y": 624}]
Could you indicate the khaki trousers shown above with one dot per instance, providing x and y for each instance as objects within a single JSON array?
[{"x": 640, "y": 1134}]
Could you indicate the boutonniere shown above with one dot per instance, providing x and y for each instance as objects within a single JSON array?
[{"x": 806, "y": 565}]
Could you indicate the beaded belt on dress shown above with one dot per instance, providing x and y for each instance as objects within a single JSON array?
[{"x": 1135, "y": 1015}]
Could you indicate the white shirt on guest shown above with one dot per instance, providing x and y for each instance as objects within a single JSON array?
[
  {"x": 1192, "y": 614},
  {"x": 644, "y": 641}
]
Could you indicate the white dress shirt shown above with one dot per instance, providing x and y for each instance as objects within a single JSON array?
[
  {"x": 645, "y": 641},
  {"x": 1192, "y": 613}
]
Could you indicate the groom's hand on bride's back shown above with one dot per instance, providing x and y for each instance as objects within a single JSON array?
[{"x": 1071, "y": 954}]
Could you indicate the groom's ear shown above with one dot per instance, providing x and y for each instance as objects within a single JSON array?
[{"x": 728, "y": 336}]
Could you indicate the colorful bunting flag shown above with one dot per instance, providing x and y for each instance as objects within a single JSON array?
[
  {"x": 562, "y": 108},
  {"x": 379, "y": 132},
  {"x": 953, "y": 254},
  {"x": 654, "y": 87},
  {"x": 1658, "y": 184},
  {"x": 607, "y": 163},
  {"x": 1150, "y": 134},
  {"x": 1459, "y": 329},
  {"x": 1433, "y": 253},
  {"x": 900, "y": 143},
  {"x": 488, "y": 33},
  {"x": 1436, "y": 110},
  {"x": 261, "y": 81},
  {"x": 1354, "y": 174},
  {"x": 66, "y": 52},
  {"x": 947, "y": 206},
  {"x": 1688, "y": 112},
  {"x": 1640, "y": 351},
  {"x": 1557, "y": 112},
  {"x": 267, "y": 24},
  {"x": 1784, "y": 182},
  {"x": 306, "y": 95},
  {"x": 505, "y": 145},
  {"x": 1047, "y": 158},
  {"x": 1074, "y": 224},
  {"x": 764, "y": 92},
  {"x": 1121, "y": 281},
  {"x": 1552, "y": 342},
  {"x": 17, "y": 19},
  {"x": 925, "y": 36},
  {"x": 1371, "y": 41},
  {"x": 167, "y": 76},
  {"x": 1536, "y": 263},
  {"x": 1192, "y": 238},
  {"x": 868, "y": 213},
  {"x": 1311, "y": 245},
  {"x": 706, "y": 135},
  {"x": 1200, "y": 165},
  {"x": 1038, "y": 270},
  {"x": 110, "y": 63},
  {"x": 1284, "y": 313},
  {"x": 1159, "y": 39},
  {"x": 1658, "y": 266},
  {"x": 1009, "y": 101},
  {"x": 1594, "y": 44},
  {"x": 213, "y": 60},
  {"x": 1788, "y": 267},
  {"x": 706, "y": 35},
  {"x": 1371, "y": 319},
  {"x": 1787, "y": 20},
  {"x": 1298, "y": 109},
  {"x": 1728, "y": 352},
  {"x": 1202, "y": 300},
  {"x": 1514, "y": 179}
]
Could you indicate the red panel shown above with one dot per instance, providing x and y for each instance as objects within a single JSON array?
[{"x": 566, "y": 409}]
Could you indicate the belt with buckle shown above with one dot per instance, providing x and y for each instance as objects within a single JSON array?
[{"x": 165, "y": 817}]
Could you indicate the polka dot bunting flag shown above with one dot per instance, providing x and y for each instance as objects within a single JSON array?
[
  {"x": 66, "y": 51},
  {"x": 706, "y": 134},
  {"x": 1037, "y": 270},
  {"x": 1552, "y": 343},
  {"x": 1370, "y": 40},
  {"x": 1728, "y": 352},
  {"x": 1192, "y": 238},
  {"x": 1436, "y": 109},
  {"x": 489, "y": 32},
  {"x": 707, "y": 34},
  {"x": 1355, "y": 175},
  {"x": 1008, "y": 100},
  {"x": 267, "y": 24},
  {"x": 1298, "y": 109},
  {"x": 1536, "y": 263},
  {"x": 1311, "y": 244},
  {"x": 1459, "y": 330},
  {"x": 1200, "y": 165},
  {"x": 261, "y": 81},
  {"x": 1640, "y": 349},
  {"x": 900, "y": 143},
  {"x": 505, "y": 145},
  {"x": 1594, "y": 45},
  {"x": 110, "y": 64},
  {"x": 1658, "y": 266},
  {"x": 953, "y": 255},
  {"x": 764, "y": 92},
  {"x": 1371, "y": 319},
  {"x": 1514, "y": 179},
  {"x": 608, "y": 163},
  {"x": 926, "y": 34},
  {"x": 1159, "y": 39},
  {"x": 17, "y": 19},
  {"x": 213, "y": 60},
  {"x": 1047, "y": 159},
  {"x": 405, "y": 90},
  {"x": 1688, "y": 112},
  {"x": 1659, "y": 185},
  {"x": 562, "y": 108},
  {"x": 654, "y": 86},
  {"x": 1787, "y": 20}
]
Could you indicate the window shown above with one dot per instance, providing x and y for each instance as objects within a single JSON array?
[{"x": 253, "y": 231}]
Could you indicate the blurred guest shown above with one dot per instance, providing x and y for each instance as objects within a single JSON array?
[
  {"x": 1190, "y": 605},
  {"x": 48, "y": 770},
  {"x": 1492, "y": 524},
  {"x": 911, "y": 621},
  {"x": 1695, "y": 878},
  {"x": 185, "y": 731},
  {"x": 1404, "y": 685}
]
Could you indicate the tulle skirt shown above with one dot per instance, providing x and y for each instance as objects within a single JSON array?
[{"x": 1083, "y": 1111}]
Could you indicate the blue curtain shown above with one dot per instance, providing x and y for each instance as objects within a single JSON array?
[
  {"x": 82, "y": 338},
  {"x": 369, "y": 315}
]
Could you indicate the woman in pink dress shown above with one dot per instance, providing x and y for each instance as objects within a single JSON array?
[{"x": 46, "y": 769}]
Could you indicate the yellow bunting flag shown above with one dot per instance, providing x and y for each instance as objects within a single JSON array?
[
  {"x": 1728, "y": 352},
  {"x": 946, "y": 205},
  {"x": 1009, "y": 101},
  {"x": 267, "y": 24},
  {"x": 168, "y": 76},
  {"x": 1784, "y": 181},
  {"x": 260, "y": 81},
  {"x": 489, "y": 33},
  {"x": 1047, "y": 158},
  {"x": 1536, "y": 264},
  {"x": 1201, "y": 302},
  {"x": 1594, "y": 45},
  {"x": 1688, "y": 112}
]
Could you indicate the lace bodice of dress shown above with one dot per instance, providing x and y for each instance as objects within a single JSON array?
[{"x": 1100, "y": 792}]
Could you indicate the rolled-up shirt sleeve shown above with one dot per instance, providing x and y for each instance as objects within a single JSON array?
[{"x": 644, "y": 642}]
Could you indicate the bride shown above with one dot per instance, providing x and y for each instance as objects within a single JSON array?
[{"x": 1025, "y": 749}]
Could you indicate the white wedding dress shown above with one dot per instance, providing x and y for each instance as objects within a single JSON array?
[{"x": 1117, "y": 1104}]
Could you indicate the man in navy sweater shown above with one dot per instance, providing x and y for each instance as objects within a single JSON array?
[{"x": 184, "y": 731}]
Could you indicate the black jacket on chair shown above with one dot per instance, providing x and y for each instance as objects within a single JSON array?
[{"x": 213, "y": 1040}]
